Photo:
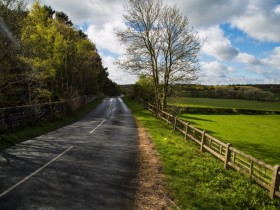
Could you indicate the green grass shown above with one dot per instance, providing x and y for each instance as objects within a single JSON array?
[
  {"x": 225, "y": 103},
  {"x": 43, "y": 127},
  {"x": 197, "y": 180},
  {"x": 257, "y": 135},
  {"x": 277, "y": 95}
]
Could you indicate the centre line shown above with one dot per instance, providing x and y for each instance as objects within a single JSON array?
[
  {"x": 34, "y": 173},
  {"x": 97, "y": 127}
]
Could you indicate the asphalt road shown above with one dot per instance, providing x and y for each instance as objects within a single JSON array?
[{"x": 91, "y": 164}]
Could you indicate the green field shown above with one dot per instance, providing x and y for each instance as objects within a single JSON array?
[
  {"x": 197, "y": 180},
  {"x": 257, "y": 135},
  {"x": 225, "y": 103}
]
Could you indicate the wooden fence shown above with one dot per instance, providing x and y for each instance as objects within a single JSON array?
[{"x": 264, "y": 174}]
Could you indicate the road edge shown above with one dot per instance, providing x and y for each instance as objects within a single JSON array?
[{"x": 151, "y": 193}]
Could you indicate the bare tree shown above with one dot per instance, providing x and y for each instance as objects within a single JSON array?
[{"x": 159, "y": 43}]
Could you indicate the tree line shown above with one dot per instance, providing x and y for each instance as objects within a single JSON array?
[
  {"x": 246, "y": 92},
  {"x": 44, "y": 58},
  {"x": 144, "y": 86}
]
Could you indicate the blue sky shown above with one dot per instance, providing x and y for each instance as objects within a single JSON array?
[{"x": 242, "y": 37}]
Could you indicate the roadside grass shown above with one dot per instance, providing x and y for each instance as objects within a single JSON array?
[
  {"x": 43, "y": 127},
  {"x": 256, "y": 135},
  {"x": 197, "y": 180},
  {"x": 224, "y": 103}
]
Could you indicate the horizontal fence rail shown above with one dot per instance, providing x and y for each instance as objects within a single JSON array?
[{"x": 264, "y": 174}]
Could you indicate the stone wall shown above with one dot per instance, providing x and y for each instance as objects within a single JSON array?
[{"x": 14, "y": 117}]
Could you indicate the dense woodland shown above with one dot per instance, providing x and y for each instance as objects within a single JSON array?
[{"x": 44, "y": 58}]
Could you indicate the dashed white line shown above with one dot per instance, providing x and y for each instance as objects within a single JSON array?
[
  {"x": 97, "y": 127},
  {"x": 34, "y": 173}
]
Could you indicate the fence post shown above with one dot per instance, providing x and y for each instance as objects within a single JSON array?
[
  {"x": 251, "y": 168},
  {"x": 175, "y": 123},
  {"x": 168, "y": 118},
  {"x": 227, "y": 156},
  {"x": 158, "y": 113},
  {"x": 202, "y": 141},
  {"x": 275, "y": 181},
  {"x": 221, "y": 149},
  {"x": 186, "y": 134},
  {"x": 145, "y": 105}
]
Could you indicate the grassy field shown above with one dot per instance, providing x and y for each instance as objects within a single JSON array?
[
  {"x": 197, "y": 180},
  {"x": 20, "y": 135},
  {"x": 257, "y": 135},
  {"x": 225, "y": 103}
]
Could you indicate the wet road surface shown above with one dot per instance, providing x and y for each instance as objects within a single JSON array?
[{"x": 91, "y": 164}]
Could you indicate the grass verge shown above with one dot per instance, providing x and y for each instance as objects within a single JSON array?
[
  {"x": 43, "y": 127},
  {"x": 197, "y": 180}
]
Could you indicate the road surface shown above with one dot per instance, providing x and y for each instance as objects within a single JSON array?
[{"x": 91, "y": 164}]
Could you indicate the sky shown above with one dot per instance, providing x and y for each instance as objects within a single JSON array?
[{"x": 241, "y": 37}]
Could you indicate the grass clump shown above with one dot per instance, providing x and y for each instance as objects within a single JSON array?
[
  {"x": 42, "y": 127},
  {"x": 197, "y": 180}
]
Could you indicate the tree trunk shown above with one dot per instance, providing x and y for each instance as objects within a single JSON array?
[
  {"x": 29, "y": 94},
  {"x": 164, "y": 100}
]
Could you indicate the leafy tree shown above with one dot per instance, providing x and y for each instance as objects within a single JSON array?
[
  {"x": 102, "y": 74},
  {"x": 159, "y": 43},
  {"x": 11, "y": 69},
  {"x": 44, "y": 58},
  {"x": 111, "y": 88},
  {"x": 144, "y": 88},
  {"x": 61, "y": 16},
  {"x": 90, "y": 66},
  {"x": 82, "y": 34},
  {"x": 37, "y": 38},
  {"x": 50, "y": 11}
]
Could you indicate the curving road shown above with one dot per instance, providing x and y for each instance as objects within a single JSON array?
[{"x": 91, "y": 164}]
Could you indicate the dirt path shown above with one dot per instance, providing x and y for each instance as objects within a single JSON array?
[{"x": 151, "y": 193}]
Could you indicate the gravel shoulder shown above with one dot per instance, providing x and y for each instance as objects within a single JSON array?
[{"x": 151, "y": 191}]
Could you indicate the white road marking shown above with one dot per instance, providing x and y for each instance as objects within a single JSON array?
[
  {"x": 34, "y": 173},
  {"x": 110, "y": 112},
  {"x": 97, "y": 127}
]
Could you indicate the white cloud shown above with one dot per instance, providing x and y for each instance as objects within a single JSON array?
[
  {"x": 203, "y": 13},
  {"x": 277, "y": 9},
  {"x": 116, "y": 74},
  {"x": 261, "y": 20},
  {"x": 266, "y": 70},
  {"x": 217, "y": 45},
  {"x": 105, "y": 38},
  {"x": 273, "y": 60},
  {"x": 248, "y": 59},
  {"x": 214, "y": 73}
]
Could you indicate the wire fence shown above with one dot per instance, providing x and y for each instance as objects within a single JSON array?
[{"x": 264, "y": 174}]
